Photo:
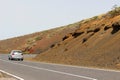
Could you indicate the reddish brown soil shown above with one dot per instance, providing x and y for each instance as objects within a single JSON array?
[
  {"x": 96, "y": 43},
  {"x": 37, "y": 42}
]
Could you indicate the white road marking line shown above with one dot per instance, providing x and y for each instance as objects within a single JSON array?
[
  {"x": 108, "y": 70},
  {"x": 11, "y": 75},
  {"x": 69, "y": 74}
]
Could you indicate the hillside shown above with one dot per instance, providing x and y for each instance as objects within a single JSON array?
[
  {"x": 37, "y": 42},
  {"x": 96, "y": 43},
  {"x": 91, "y": 42}
]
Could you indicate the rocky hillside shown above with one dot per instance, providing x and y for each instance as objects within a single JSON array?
[
  {"x": 37, "y": 42},
  {"x": 91, "y": 42},
  {"x": 96, "y": 43}
]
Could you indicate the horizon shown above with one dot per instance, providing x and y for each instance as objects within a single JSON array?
[{"x": 30, "y": 16}]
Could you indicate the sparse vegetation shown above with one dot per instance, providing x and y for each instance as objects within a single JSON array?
[
  {"x": 30, "y": 41},
  {"x": 95, "y": 17},
  {"x": 115, "y": 11},
  {"x": 38, "y": 38}
]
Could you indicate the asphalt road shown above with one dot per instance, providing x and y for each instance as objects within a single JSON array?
[{"x": 43, "y": 71}]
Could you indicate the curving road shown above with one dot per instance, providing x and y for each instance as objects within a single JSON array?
[{"x": 43, "y": 71}]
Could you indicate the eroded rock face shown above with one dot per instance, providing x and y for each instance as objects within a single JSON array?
[
  {"x": 116, "y": 27},
  {"x": 107, "y": 27},
  {"x": 76, "y": 34}
]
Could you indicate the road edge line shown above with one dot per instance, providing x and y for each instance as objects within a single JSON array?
[
  {"x": 75, "y": 66},
  {"x": 50, "y": 70},
  {"x": 11, "y": 75}
]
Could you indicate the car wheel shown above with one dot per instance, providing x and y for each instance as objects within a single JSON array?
[
  {"x": 21, "y": 59},
  {"x": 9, "y": 59}
]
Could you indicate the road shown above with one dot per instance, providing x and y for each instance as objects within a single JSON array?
[{"x": 45, "y": 71}]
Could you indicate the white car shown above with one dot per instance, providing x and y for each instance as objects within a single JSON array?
[{"x": 15, "y": 55}]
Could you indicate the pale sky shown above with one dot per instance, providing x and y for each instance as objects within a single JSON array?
[{"x": 20, "y": 17}]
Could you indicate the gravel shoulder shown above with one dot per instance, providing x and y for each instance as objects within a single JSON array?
[{"x": 4, "y": 76}]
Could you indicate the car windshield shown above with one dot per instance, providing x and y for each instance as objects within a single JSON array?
[{"x": 18, "y": 51}]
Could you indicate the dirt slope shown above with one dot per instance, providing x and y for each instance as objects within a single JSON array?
[
  {"x": 96, "y": 43},
  {"x": 37, "y": 42}
]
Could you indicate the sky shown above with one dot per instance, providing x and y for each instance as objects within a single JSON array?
[{"x": 21, "y": 17}]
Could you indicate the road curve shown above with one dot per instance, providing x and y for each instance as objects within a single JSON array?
[{"x": 44, "y": 71}]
